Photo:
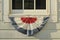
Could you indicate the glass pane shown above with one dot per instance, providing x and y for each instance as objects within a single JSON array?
[
  {"x": 16, "y": 4},
  {"x": 40, "y": 4},
  {"x": 28, "y": 4}
]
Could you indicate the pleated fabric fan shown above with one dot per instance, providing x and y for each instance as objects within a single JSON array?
[{"x": 29, "y": 25}]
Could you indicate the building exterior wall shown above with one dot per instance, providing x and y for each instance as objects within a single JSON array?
[{"x": 50, "y": 32}]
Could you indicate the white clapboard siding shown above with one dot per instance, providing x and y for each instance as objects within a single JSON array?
[
  {"x": 29, "y": 39},
  {"x": 42, "y": 34},
  {"x": 19, "y": 39},
  {"x": 6, "y": 26},
  {"x": 49, "y": 25},
  {"x": 0, "y": 9}
]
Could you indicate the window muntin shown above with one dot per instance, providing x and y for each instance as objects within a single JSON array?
[{"x": 28, "y": 4}]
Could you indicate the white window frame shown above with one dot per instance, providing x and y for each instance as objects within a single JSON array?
[
  {"x": 51, "y": 9},
  {"x": 33, "y": 11}
]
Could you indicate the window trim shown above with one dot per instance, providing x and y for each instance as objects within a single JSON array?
[{"x": 1, "y": 10}]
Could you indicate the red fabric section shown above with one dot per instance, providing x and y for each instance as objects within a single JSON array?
[{"x": 28, "y": 20}]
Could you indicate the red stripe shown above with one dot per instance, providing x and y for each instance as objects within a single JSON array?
[{"x": 28, "y": 20}]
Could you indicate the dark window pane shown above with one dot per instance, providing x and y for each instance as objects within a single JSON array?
[
  {"x": 40, "y": 4},
  {"x": 28, "y": 4},
  {"x": 16, "y": 4}
]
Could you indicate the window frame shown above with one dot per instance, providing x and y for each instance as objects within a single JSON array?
[{"x": 34, "y": 11}]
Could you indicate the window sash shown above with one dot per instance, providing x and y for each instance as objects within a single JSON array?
[{"x": 34, "y": 6}]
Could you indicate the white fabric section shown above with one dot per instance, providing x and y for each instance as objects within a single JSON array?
[{"x": 29, "y": 26}]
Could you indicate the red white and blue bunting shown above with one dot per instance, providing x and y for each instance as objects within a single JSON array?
[{"x": 29, "y": 25}]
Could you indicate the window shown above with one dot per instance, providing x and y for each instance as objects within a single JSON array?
[
  {"x": 28, "y": 4},
  {"x": 30, "y": 7}
]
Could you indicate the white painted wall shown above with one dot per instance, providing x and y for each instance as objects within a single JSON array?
[{"x": 50, "y": 32}]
